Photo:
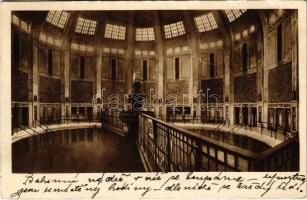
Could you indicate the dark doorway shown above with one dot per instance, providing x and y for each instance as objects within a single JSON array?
[
  {"x": 54, "y": 117},
  {"x": 271, "y": 118},
  {"x": 144, "y": 70},
  {"x": 245, "y": 116},
  {"x": 287, "y": 118},
  {"x": 15, "y": 117},
  {"x": 254, "y": 116},
  {"x": 177, "y": 65},
  {"x": 178, "y": 112},
  {"x": 24, "y": 116},
  {"x": 237, "y": 115},
  {"x": 50, "y": 62},
  {"x": 212, "y": 65},
  {"x": 280, "y": 115},
  {"x": 113, "y": 69},
  {"x": 169, "y": 113},
  {"x": 90, "y": 113},
  {"x": 203, "y": 115}
]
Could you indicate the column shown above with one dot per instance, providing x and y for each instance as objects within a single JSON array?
[
  {"x": 265, "y": 96},
  {"x": 65, "y": 66},
  {"x": 65, "y": 105},
  {"x": 98, "y": 76},
  {"x": 294, "y": 50},
  {"x": 35, "y": 84},
  {"x": 194, "y": 60},
  {"x": 159, "y": 62},
  {"x": 31, "y": 81},
  {"x": 130, "y": 52},
  {"x": 227, "y": 88},
  {"x": 228, "y": 94}
]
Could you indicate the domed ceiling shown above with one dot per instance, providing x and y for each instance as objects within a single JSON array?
[{"x": 114, "y": 24}]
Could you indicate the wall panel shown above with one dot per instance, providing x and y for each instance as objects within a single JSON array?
[
  {"x": 19, "y": 87},
  {"x": 185, "y": 66},
  {"x": 280, "y": 84},
  {"x": 105, "y": 68},
  {"x": 169, "y": 69},
  {"x": 219, "y": 63},
  {"x": 49, "y": 90},
  {"x": 81, "y": 91},
  {"x": 245, "y": 88}
]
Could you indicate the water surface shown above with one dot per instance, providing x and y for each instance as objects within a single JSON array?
[{"x": 72, "y": 151}]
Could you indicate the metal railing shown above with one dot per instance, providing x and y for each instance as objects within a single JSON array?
[
  {"x": 166, "y": 147},
  {"x": 112, "y": 119},
  {"x": 234, "y": 139},
  {"x": 28, "y": 130},
  {"x": 43, "y": 126},
  {"x": 65, "y": 120},
  {"x": 192, "y": 120},
  {"x": 45, "y": 122},
  {"x": 283, "y": 157},
  {"x": 279, "y": 132},
  {"x": 169, "y": 148}
]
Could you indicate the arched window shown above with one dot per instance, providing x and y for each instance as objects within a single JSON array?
[
  {"x": 279, "y": 42},
  {"x": 82, "y": 67},
  {"x": 177, "y": 68},
  {"x": 244, "y": 57},
  {"x": 113, "y": 68},
  {"x": 145, "y": 69},
  {"x": 50, "y": 63},
  {"x": 16, "y": 49}
]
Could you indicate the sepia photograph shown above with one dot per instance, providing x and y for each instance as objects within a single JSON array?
[
  {"x": 108, "y": 100},
  {"x": 154, "y": 91}
]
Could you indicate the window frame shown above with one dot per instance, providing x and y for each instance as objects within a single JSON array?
[
  {"x": 58, "y": 18},
  {"x": 243, "y": 58},
  {"x": 212, "y": 64},
  {"x": 50, "y": 62},
  {"x": 86, "y": 26},
  {"x": 111, "y": 69},
  {"x": 205, "y": 22},
  {"x": 147, "y": 69},
  {"x": 279, "y": 42},
  {"x": 115, "y": 31},
  {"x": 82, "y": 67},
  {"x": 234, "y": 14},
  {"x": 173, "y": 30},
  {"x": 145, "y": 34}
]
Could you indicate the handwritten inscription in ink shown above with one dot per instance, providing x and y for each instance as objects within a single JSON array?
[{"x": 145, "y": 185}]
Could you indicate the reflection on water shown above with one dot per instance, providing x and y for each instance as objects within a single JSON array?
[
  {"x": 241, "y": 141},
  {"x": 79, "y": 150}
]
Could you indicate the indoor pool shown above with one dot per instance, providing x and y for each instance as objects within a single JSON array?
[
  {"x": 241, "y": 141},
  {"x": 79, "y": 150}
]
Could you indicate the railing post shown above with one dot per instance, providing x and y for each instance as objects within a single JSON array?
[
  {"x": 198, "y": 156},
  {"x": 168, "y": 153},
  {"x": 154, "y": 128}
]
